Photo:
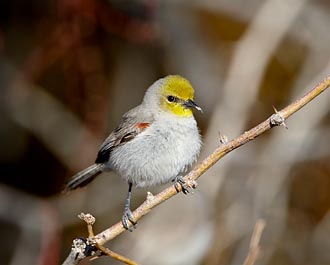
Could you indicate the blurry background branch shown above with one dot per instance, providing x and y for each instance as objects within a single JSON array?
[{"x": 254, "y": 250}]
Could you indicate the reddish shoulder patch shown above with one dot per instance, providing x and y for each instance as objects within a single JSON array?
[{"x": 143, "y": 125}]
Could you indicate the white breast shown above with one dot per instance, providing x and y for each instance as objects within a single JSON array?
[{"x": 158, "y": 154}]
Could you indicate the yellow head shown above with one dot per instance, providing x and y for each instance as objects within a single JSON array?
[{"x": 177, "y": 96}]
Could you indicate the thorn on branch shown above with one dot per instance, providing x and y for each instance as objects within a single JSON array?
[
  {"x": 150, "y": 197},
  {"x": 223, "y": 138},
  {"x": 277, "y": 119}
]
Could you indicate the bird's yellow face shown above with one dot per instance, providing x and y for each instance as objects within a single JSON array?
[{"x": 177, "y": 96}]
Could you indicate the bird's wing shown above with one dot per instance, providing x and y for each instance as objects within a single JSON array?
[{"x": 132, "y": 124}]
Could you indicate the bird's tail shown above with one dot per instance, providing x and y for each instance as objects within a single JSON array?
[{"x": 84, "y": 177}]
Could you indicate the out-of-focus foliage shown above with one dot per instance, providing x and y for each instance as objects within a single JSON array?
[{"x": 70, "y": 69}]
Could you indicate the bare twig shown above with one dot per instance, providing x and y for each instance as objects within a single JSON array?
[
  {"x": 92, "y": 245},
  {"x": 90, "y": 221},
  {"x": 276, "y": 119},
  {"x": 115, "y": 255},
  {"x": 254, "y": 251}
]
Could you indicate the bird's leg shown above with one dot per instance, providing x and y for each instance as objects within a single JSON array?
[
  {"x": 179, "y": 182},
  {"x": 127, "y": 215}
]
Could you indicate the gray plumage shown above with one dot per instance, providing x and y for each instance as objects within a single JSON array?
[{"x": 154, "y": 143}]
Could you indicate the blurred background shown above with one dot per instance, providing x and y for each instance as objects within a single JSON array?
[{"x": 70, "y": 69}]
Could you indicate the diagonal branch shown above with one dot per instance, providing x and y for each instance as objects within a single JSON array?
[
  {"x": 275, "y": 120},
  {"x": 254, "y": 251}
]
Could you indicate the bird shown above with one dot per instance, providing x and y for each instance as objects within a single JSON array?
[{"x": 153, "y": 144}]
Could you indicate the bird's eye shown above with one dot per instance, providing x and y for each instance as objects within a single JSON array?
[{"x": 170, "y": 98}]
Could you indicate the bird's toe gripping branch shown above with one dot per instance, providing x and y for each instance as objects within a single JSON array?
[
  {"x": 181, "y": 185},
  {"x": 127, "y": 219}
]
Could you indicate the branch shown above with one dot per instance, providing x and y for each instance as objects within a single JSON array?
[
  {"x": 154, "y": 200},
  {"x": 254, "y": 251},
  {"x": 83, "y": 248}
]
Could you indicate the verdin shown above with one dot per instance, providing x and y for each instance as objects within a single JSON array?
[{"x": 154, "y": 142}]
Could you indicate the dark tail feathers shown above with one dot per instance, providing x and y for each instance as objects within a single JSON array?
[{"x": 84, "y": 177}]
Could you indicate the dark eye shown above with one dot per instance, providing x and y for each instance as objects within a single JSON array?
[{"x": 170, "y": 98}]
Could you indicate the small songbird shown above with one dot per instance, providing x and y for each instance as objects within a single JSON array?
[{"x": 154, "y": 142}]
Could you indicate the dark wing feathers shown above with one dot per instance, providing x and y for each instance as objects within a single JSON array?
[{"x": 129, "y": 127}]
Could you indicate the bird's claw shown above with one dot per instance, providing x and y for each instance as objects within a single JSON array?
[
  {"x": 179, "y": 182},
  {"x": 128, "y": 220}
]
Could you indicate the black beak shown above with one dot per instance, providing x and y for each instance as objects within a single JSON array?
[{"x": 191, "y": 105}]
